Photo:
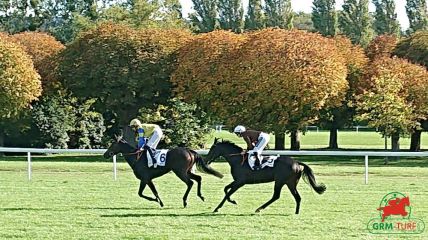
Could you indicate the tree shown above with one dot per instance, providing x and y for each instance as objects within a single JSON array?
[
  {"x": 396, "y": 99},
  {"x": 43, "y": 50},
  {"x": 303, "y": 21},
  {"x": 418, "y": 16},
  {"x": 339, "y": 116},
  {"x": 414, "y": 48},
  {"x": 123, "y": 69},
  {"x": 254, "y": 19},
  {"x": 184, "y": 124},
  {"x": 279, "y": 14},
  {"x": 231, "y": 76},
  {"x": 231, "y": 14},
  {"x": 355, "y": 22},
  {"x": 385, "y": 18},
  {"x": 324, "y": 17},
  {"x": 53, "y": 117},
  {"x": 204, "y": 19},
  {"x": 381, "y": 46},
  {"x": 19, "y": 81}
]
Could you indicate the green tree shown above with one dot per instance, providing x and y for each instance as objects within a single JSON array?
[
  {"x": 355, "y": 21},
  {"x": 279, "y": 13},
  {"x": 231, "y": 14},
  {"x": 183, "y": 124},
  {"x": 53, "y": 117},
  {"x": 324, "y": 17},
  {"x": 122, "y": 68},
  {"x": 303, "y": 21},
  {"x": 254, "y": 19},
  {"x": 385, "y": 18},
  {"x": 418, "y": 16},
  {"x": 88, "y": 129},
  {"x": 204, "y": 19}
]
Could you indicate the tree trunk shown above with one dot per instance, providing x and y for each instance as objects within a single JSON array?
[
  {"x": 395, "y": 142},
  {"x": 279, "y": 141},
  {"x": 295, "y": 140},
  {"x": 333, "y": 139},
  {"x": 415, "y": 143}
]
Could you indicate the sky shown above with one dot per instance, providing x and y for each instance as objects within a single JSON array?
[{"x": 306, "y": 6}]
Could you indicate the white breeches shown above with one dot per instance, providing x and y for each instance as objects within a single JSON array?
[{"x": 155, "y": 138}]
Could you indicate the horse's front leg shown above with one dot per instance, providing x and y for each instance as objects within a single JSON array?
[
  {"x": 155, "y": 192},
  {"x": 234, "y": 186},
  {"x": 141, "y": 189},
  {"x": 225, "y": 192}
]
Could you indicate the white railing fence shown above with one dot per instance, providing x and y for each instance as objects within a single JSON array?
[{"x": 204, "y": 152}]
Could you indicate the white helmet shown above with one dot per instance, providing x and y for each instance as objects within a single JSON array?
[
  {"x": 239, "y": 129},
  {"x": 135, "y": 123}
]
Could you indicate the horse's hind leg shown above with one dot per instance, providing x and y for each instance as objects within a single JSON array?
[
  {"x": 198, "y": 179},
  {"x": 296, "y": 195},
  {"x": 155, "y": 192},
  {"x": 276, "y": 194},
  {"x": 186, "y": 179}
]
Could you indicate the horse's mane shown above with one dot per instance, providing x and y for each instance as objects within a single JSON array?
[{"x": 227, "y": 142}]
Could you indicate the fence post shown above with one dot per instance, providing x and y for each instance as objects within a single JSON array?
[
  {"x": 29, "y": 165},
  {"x": 114, "y": 167},
  {"x": 366, "y": 163}
]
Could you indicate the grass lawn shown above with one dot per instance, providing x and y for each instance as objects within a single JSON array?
[
  {"x": 314, "y": 139},
  {"x": 80, "y": 200}
]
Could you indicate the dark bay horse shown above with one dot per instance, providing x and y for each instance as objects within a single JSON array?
[
  {"x": 286, "y": 171},
  {"x": 179, "y": 160}
]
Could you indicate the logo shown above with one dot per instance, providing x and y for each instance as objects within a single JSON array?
[{"x": 395, "y": 216}]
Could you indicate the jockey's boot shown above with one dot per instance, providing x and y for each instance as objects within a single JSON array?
[
  {"x": 152, "y": 155},
  {"x": 257, "y": 162}
]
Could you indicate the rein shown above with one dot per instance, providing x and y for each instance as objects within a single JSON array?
[{"x": 242, "y": 154}]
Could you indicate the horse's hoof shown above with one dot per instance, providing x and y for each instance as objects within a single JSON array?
[
  {"x": 184, "y": 204},
  {"x": 215, "y": 210},
  {"x": 202, "y": 198},
  {"x": 161, "y": 204},
  {"x": 258, "y": 210},
  {"x": 233, "y": 202}
]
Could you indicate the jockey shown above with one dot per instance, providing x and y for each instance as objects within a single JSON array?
[
  {"x": 256, "y": 142},
  {"x": 151, "y": 131}
]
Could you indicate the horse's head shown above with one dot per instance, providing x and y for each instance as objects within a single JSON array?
[
  {"x": 120, "y": 145},
  {"x": 405, "y": 201},
  {"x": 221, "y": 149}
]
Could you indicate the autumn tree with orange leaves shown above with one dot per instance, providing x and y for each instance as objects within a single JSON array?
[
  {"x": 19, "y": 82},
  {"x": 43, "y": 50},
  {"x": 335, "y": 117},
  {"x": 272, "y": 80},
  {"x": 122, "y": 68},
  {"x": 396, "y": 99}
]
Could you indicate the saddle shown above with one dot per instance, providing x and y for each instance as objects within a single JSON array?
[
  {"x": 159, "y": 158},
  {"x": 266, "y": 161}
]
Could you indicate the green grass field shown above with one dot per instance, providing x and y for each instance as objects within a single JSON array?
[
  {"x": 346, "y": 140},
  {"x": 78, "y": 199}
]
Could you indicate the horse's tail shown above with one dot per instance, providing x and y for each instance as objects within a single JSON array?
[
  {"x": 203, "y": 167},
  {"x": 308, "y": 175}
]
